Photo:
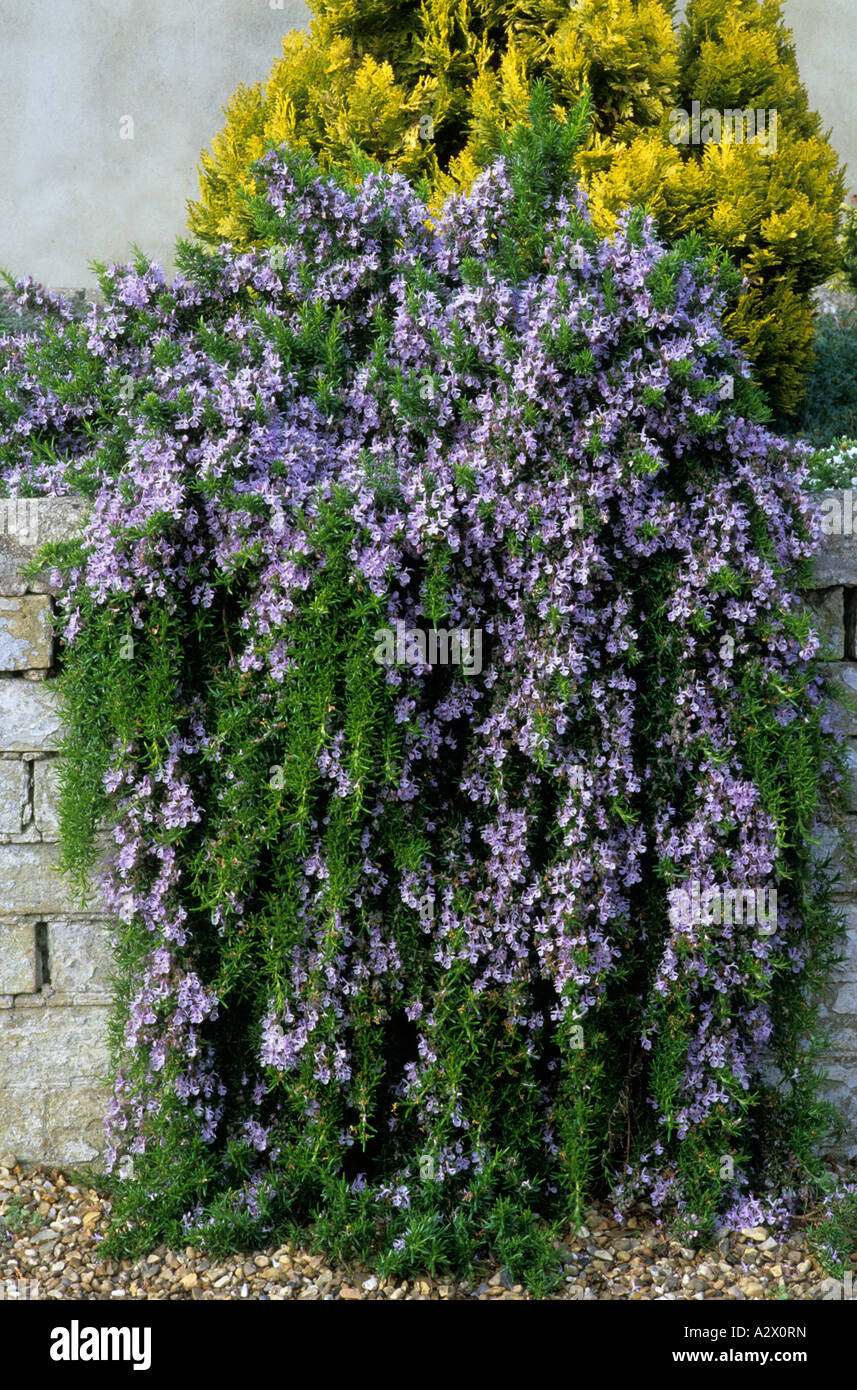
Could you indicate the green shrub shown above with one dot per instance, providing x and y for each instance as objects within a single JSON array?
[
  {"x": 11, "y": 321},
  {"x": 828, "y": 413},
  {"x": 834, "y": 466},
  {"x": 849, "y": 243}
]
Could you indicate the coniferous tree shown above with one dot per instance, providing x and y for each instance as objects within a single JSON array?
[{"x": 427, "y": 88}]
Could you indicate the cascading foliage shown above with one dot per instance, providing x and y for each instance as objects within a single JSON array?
[{"x": 400, "y": 947}]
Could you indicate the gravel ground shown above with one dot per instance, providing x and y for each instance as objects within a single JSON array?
[{"x": 49, "y": 1248}]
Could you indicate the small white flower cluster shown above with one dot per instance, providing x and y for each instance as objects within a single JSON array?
[{"x": 834, "y": 466}]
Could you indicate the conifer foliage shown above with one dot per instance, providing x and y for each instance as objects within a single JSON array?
[
  {"x": 426, "y": 88},
  {"x": 403, "y": 949}
]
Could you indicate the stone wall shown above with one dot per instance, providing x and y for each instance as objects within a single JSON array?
[
  {"x": 834, "y": 602},
  {"x": 54, "y": 956}
]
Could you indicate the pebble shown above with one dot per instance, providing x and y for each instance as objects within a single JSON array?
[{"x": 57, "y": 1246}]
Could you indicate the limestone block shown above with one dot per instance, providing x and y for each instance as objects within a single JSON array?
[
  {"x": 843, "y": 674},
  {"x": 14, "y": 793},
  {"x": 22, "y": 1121},
  {"x": 29, "y": 716},
  {"x": 828, "y": 612},
  {"x": 53, "y": 1048},
  {"x": 61, "y": 1125},
  {"x": 17, "y": 957},
  {"x": 46, "y": 798},
  {"x": 837, "y": 1010},
  {"x": 30, "y": 882},
  {"x": 28, "y": 523},
  {"x": 830, "y": 843},
  {"x": 846, "y": 969},
  {"x": 835, "y": 562},
  {"x": 25, "y": 633},
  {"x": 79, "y": 954},
  {"x": 841, "y": 1089},
  {"x": 845, "y": 1003},
  {"x": 75, "y": 1124}
]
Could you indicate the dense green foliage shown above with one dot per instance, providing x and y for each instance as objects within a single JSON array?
[
  {"x": 828, "y": 413},
  {"x": 833, "y": 466},
  {"x": 849, "y": 243}
]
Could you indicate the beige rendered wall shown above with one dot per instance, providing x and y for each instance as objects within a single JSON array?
[
  {"x": 825, "y": 34},
  {"x": 71, "y": 189}
]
